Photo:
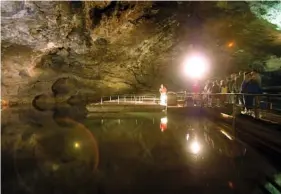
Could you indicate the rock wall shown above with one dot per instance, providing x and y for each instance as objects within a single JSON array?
[
  {"x": 72, "y": 49},
  {"x": 78, "y": 51}
]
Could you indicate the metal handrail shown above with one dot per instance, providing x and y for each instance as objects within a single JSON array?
[
  {"x": 277, "y": 95},
  {"x": 269, "y": 103},
  {"x": 179, "y": 96},
  {"x": 128, "y": 98}
]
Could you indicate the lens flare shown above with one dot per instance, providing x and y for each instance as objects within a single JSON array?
[
  {"x": 195, "y": 66},
  {"x": 76, "y": 145},
  {"x": 195, "y": 147}
]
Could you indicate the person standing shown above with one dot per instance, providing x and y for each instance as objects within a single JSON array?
[
  {"x": 215, "y": 92},
  {"x": 257, "y": 77},
  {"x": 223, "y": 91},
  {"x": 251, "y": 87},
  {"x": 238, "y": 84},
  {"x": 207, "y": 90},
  {"x": 244, "y": 89},
  {"x": 163, "y": 95},
  {"x": 229, "y": 87},
  {"x": 258, "y": 90}
]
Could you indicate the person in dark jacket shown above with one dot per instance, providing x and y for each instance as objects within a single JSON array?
[
  {"x": 243, "y": 89},
  {"x": 250, "y": 87}
]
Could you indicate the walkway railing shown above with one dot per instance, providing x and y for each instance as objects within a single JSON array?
[
  {"x": 263, "y": 101},
  {"x": 258, "y": 104},
  {"x": 129, "y": 98}
]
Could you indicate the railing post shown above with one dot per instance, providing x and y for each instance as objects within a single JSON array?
[
  {"x": 256, "y": 107},
  {"x": 118, "y": 99},
  {"x": 124, "y": 98},
  {"x": 109, "y": 98},
  {"x": 269, "y": 105},
  {"x": 101, "y": 100},
  {"x": 234, "y": 113},
  {"x": 201, "y": 99}
]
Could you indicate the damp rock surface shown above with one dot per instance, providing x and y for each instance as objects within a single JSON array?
[{"x": 79, "y": 51}]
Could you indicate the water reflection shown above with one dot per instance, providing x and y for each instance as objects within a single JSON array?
[
  {"x": 52, "y": 152},
  {"x": 226, "y": 134},
  {"x": 63, "y": 152},
  {"x": 163, "y": 124},
  {"x": 193, "y": 143}
]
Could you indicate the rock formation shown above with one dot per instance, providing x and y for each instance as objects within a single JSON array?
[{"x": 78, "y": 51}]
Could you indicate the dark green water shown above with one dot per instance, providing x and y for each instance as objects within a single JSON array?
[{"x": 64, "y": 151}]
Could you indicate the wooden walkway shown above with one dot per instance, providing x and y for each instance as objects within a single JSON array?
[{"x": 153, "y": 106}]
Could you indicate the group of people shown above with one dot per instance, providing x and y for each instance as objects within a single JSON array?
[{"x": 243, "y": 82}]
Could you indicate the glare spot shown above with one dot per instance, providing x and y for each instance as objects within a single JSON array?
[
  {"x": 195, "y": 147},
  {"x": 76, "y": 145},
  {"x": 231, "y": 44},
  {"x": 195, "y": 66}
]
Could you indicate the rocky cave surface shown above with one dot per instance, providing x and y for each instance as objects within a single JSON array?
[{"x": 77, "y": 51}]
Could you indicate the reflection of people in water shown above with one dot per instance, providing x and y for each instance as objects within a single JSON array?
[{"x": 163, "y": 124}]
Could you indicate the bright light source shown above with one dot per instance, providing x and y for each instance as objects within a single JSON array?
[
  {"x": 195, "y": 66},
  {"x": 164, "y": 120},
  {"x": 195, "y": 147},
  {"x": 231, "y": 44}
]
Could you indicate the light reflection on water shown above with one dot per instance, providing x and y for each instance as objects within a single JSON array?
[{"x": 67, "y": 152}]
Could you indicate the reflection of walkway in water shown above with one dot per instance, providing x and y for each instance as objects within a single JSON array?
[{"x": 134, "y": 154}]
